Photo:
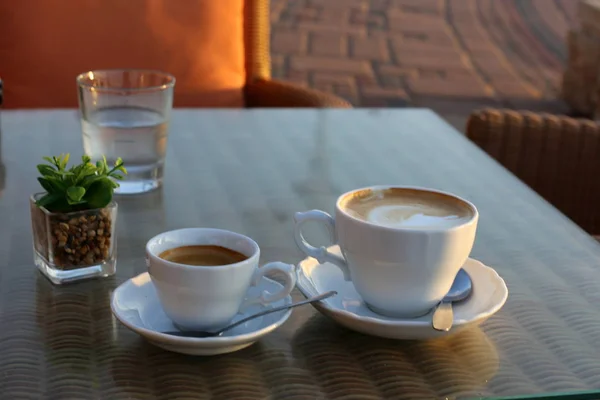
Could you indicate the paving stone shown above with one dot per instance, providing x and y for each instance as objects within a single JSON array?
[
  {"x": 435, "y": 86},
  {"x": 374, "y": 95},
  {"x": 286, "y": 41},
  {"x": 330, "y": 64},
  {"x": 333, "y": 78},
  {"x": 369, "y": 48},
  {"x": 334, "y": 44},
  {"x": 450, "y": 55}
]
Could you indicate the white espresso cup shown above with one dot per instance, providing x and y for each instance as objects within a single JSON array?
[
  {"x": 402, "y": 246},
  {"x": 197, "y": 297}
]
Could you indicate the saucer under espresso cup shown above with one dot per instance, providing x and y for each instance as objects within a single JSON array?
[
  {"x": 400, "y": 246},
  {"x": 202, "y": 275},
  {"x": 135, "y": 304}
]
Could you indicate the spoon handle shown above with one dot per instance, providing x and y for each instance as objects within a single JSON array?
[
  {"x": 443, "y": 317},
  {"x": 272, "y": 310}
]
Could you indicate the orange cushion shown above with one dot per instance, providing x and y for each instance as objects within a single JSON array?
[{"x": 45, "y": 44}]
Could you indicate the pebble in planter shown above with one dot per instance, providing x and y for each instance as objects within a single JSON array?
[{"x": 74, "y": 220}]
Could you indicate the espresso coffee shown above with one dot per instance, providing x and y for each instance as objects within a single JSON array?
[
  {"x": 203, "y": 255},
  {"x": 407, "y": 208}
]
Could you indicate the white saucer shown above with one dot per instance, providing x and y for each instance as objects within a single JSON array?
[
  {"x": 135, "y": 303},
  {"x": 348, "y": 309}
]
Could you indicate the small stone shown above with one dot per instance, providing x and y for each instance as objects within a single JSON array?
[{"x": 83, "y": 241}]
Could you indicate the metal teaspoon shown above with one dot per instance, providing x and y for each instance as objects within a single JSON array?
[
  {"x": 443, "y": 317},
  {"x": 205, "y": 334}
]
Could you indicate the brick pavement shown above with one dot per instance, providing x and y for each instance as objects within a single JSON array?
[{"x": 449, "y": 55}]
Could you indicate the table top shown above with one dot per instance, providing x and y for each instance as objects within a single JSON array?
[{"x": 249, "y": 171}]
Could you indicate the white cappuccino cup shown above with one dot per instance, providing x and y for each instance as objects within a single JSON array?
[{"x": 402, "y": 246}]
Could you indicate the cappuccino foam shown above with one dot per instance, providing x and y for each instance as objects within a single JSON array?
[{"x": 408, "y": 208}]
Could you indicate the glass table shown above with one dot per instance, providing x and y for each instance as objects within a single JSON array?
[{"x": 249, "y": 171}]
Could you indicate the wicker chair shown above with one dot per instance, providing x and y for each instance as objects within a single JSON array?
[
  {"x": 261, "y": 90},
  {"x": 41, "y": 73},
  {"x": 558, "y": 157}
]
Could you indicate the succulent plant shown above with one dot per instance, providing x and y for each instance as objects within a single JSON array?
[{"x": 84, "y": 186}]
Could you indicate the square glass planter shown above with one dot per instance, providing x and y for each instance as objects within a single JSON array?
[{"x": 69, "y": 247}]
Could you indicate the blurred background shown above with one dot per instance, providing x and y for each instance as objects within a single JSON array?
[{"x": 453, "y": 56}]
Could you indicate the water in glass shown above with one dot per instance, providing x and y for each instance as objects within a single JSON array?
[{"x": 137, "y": 135}]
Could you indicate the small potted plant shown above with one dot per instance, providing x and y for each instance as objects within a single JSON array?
[{"x": 74, "y": 220}]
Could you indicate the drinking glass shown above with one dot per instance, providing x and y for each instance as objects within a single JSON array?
[{"x": 126, "y": 113}]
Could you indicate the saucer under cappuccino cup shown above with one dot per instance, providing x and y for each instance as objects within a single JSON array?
[
  {"x": 202, "y": 275},
  {"x": 402, "y": 246}
]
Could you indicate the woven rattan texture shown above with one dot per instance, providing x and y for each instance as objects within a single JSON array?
[
  {"x": 279, "y": 94},
  {"x": 559, "y": 157},
  {"x": 248, "y": 171},
  {"x": 260, "y": 90},
  {"x": 257, "y": 39}
]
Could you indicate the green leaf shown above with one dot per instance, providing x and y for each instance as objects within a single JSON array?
[
  {"x": 118, "y": 167},
  {"x": 60, "y": 205},
  {"x": 46, "y": 170},
  {"x": 48, "y": 199},
  {"x": 99, "y": 193},
  {"x": 90, "y": 179},
  {"x": 58, "y": 184},
  {"x": 85, "y": 171},
  {"x": 64, "y": 160},
  {"x": 117, "y": 176},
  {"x": 46, "y": 185},
  {"x": 75, "y": 194}
]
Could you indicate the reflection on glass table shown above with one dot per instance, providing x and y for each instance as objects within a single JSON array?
[{"x": 2, "y": 167}]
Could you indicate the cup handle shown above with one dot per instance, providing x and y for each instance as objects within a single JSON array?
[
  {"x": 319, "y": 253},
  {"x": 265, "y": 297}
]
